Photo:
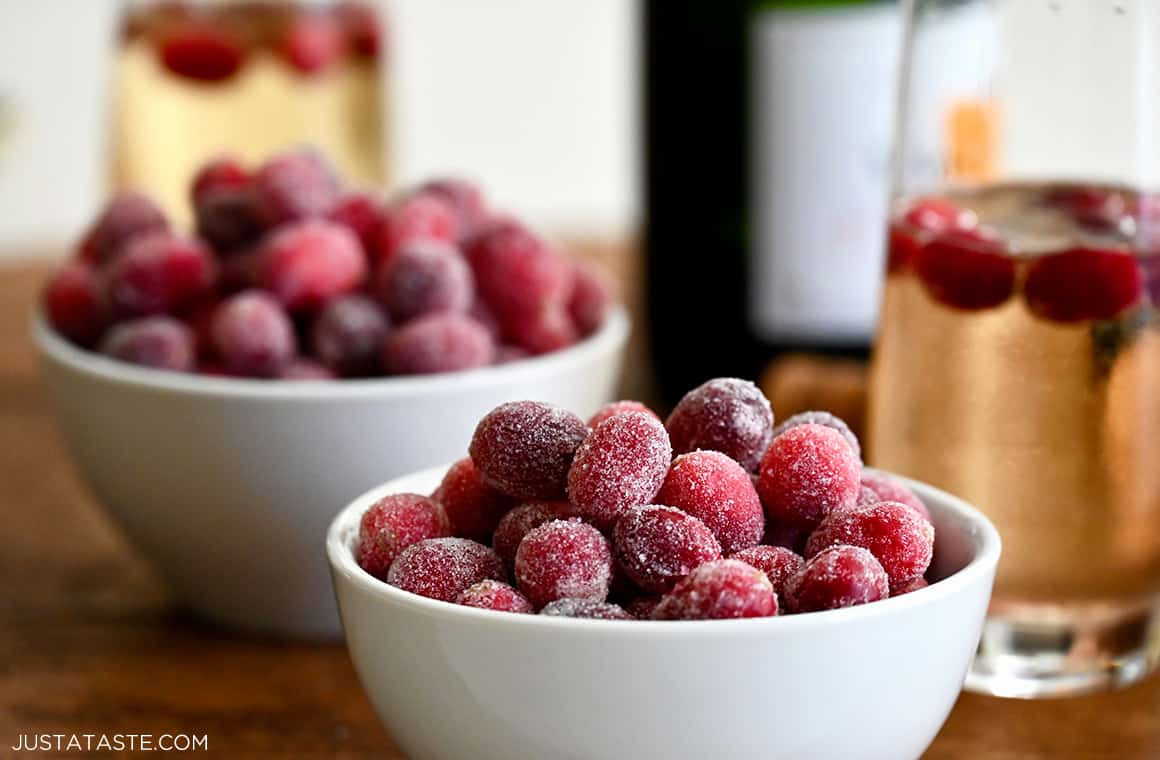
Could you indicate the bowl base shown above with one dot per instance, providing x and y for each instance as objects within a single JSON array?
[{"x": 1032, "y": 651}]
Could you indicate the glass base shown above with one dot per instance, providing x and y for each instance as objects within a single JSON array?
[{"x": 1030, "y": 651}]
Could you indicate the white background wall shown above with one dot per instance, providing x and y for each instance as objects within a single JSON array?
[{"x": 537, "y": 99}]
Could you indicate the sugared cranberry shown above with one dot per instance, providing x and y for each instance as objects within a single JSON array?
[
  {"x": 517, "y": 523},
  {"x": 158, "y": 273},
  {"x": 841, "y": 576},
  {"x": 1083, "y": 284},
  {"x": 252, "y": 335},
  {"x": 312, "y": 42},
  {"x": 882, "y": 487},
  {"x": 912, "y": 585},
  {"x": 777, "y": 562},
  {"x": 563, "y": 559},
  {"x": 127, "y": 216},
  {"x": 437, "y": 343},
  {"x": 719, "y": 590},
  {"x": 899, "y": 538},
  {"x": 443, "y": 568},
  {"x": 495, "y": 595},
  {"x": 473, "y": 507},
  {"x": 362, "y": 212},
  {"x": 525, "y": 448},
  {"x": 589, "y": 300},
  {"x": 585, "y": 608},
  {"x": 727, "y": 415},
  {"x": 417, "y": 217},
  {"x": 966, "y": 269},
  {"x": 307, "y": 263},
  {"x": 72, "y": 303},
  {"x": 295, "y": 186},
  {"x": 202, "y": 52},
  {"x": 621, "y": 464},
  {"x": 229, "y": 219},
  {"x": 719, "y": 492},
  {"x": 616, "y": 407},
  {"x": 306, "y": 369},
  {"x": 821, "y": 418},
  {"x": 239, "y": 271},
  {"x": 656, "y": 545},
  {"x": 550, "y": 330},
  {"x": 392, "y": 524},
  {"x": 219, "y": 173},
  {"x": 808, "y": 472},
  {"x": 425, "y": 277},
  {"x": 641, "y": 607},
  {"x": 348, "y": 335},
  {"x": 159, "y": 342},
  {"x": 464, "y": 197}
]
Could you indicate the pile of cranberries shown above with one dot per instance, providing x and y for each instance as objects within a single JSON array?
[
  {"x": 289, "y": 276},
  {"x": 597, "y": 519}
]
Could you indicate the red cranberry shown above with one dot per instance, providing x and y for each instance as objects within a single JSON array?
[
  {"x": 1083, "y": 284},
  {"x": 437, "y": 343},
  {"x": 590, "y": 298},
  {"x": 586, "y": 609},
  {"x": 719, "y": 492},
  {"x": 229, "y": 219},
  {"x": 505, "y": 354},
  {"x": 525, "y": 448},
  {"x": 392, "y": 524},
  {"x": 899, "y": 538},
  {"x": 348, "y": 335},
  {"x": 295, "y": 186},
  {"x": 425, "y": 277},
  {"x": 159, "y": 342},
  {"x": 882, "y": 487},
  {"x": 911, "y": 585},
  {"x": 127, "y": 216},
  {"x": 517, "y": 523},
  {"x": 72, "y": 304},
  {"x": 727, "y": 415},
  {"x": 790, "y": 537},
  {"x": 306, "y": 369},
  {"x": 808, "y": 472},
  {"x": 656, "y": 546},
  {"x": 821, "y": 418},
  {"x": 202, "y": 52},
  {"x": 621, "y": 464},
  {"x": 563, "y": 559},
  {"x": 901, "y": 246},
  {"x": 312, "y": 42},
  {"x": 252, "y": 335},
  {"x": 617, "y": 407},
  {"x": 219, "y": 173},
  {"x": 966, "y": 269},
  {"x": 495, "y": 595},
  {"x": 550, "y": 330},
  {"x": 473, "y": 507},
  {"x": 158, "y": 273},
  {"x": 1095, "y": 208},
  {"x": 417, "y": 217},
  {"x": 363, "y": 214},
  {"x": 777, "y": 562},
  {"x": 307, "y": 263},
  {"x": 841, "y": 576},
  {"x": 363, "y": 32},
  {"x": 935, "y": 215},
  {"x": 464, "y": 197},
  {"x": 719, "y": 590},
  {"x": 443, "y": 568},
  {"x": 641, "y": 607}
]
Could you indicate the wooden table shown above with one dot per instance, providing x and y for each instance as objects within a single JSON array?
[{"x": 90, "y": 641}]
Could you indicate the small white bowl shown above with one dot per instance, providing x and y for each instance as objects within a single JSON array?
[
  {"x": 228, "y": 485},
  {"x": 876, "y": 681}
]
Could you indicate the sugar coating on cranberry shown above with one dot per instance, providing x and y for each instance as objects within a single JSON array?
[
  {"x": 518, "y": 522},
  {"x": 252, "y": 335},
  {"x": 219, "y": 173},
  {"x": 585, "y": 608},
  {"x": 473, "y": 507},
  {"x": 966, "y": 269},
  {"x": 912, "y": 585},
  {"x": 616, "y": 407},
  {"x": 158, "y": 273},
  {"x": 551, "y": 329},
  {"x": 307, "y": 263},
  {"x": 525, "y": 448},
  {"x": 716, "y": 490},
  {"x": 495, "y": 595},
  {"x": 518, "y": 275},
  {"x": 464, "y": 197},
  {"x": 72, "y": 303},
  {"x": 658, "y": 545},
  {"x": 563, "y": 559},
  {"x": 159, "y": 342},
  {"x": 437, "y": 343},
  {"x": 417, "y": 217},
  {"x": 1083, "y": 284},
  {"x": 425, "y": 277},
  {"x": 295, "y": 186},
  {"x": 719, "y": 590},
  {"x": 886, "y": 488},
  {"x": 899, "y": 538},
  {"x": 808, "y": 472},
  {"x": 821, "y": 418},
  {"x": 392, "y": 524},
  {"x": 727, "y": 415},
  {"x": 590, "y": 297},
  {"x": 777, "y": 562},
  {"x": 621, "y": 464},
  {"x": 841, "y": 576},
  {"x": 443, "y": 568},
  {"x": 125, "y": 217},
  {"x": 348, "y": 335},
  {"x": 362, "y": 213}
]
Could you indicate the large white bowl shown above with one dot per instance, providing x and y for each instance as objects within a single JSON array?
[
  {"x": 228, "y": 485},
  {"x": 875, "y": 681}
]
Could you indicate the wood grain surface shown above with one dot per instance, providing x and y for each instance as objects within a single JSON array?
[{"x": 91, "y": 642}]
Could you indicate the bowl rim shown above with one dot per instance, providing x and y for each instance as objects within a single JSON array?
[
  {"x": 611, "y": 337},
  {"x": 344, "y": 569}
]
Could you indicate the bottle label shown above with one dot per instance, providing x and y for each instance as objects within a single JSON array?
[{"x": 823, "y": 99}]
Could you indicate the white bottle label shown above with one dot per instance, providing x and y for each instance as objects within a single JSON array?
[{"x": 823, "y": 101}]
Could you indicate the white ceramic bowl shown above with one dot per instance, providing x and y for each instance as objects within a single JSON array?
[
  {"x": 228, "y": 485},
  {"x": 876, "y": 681}
]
